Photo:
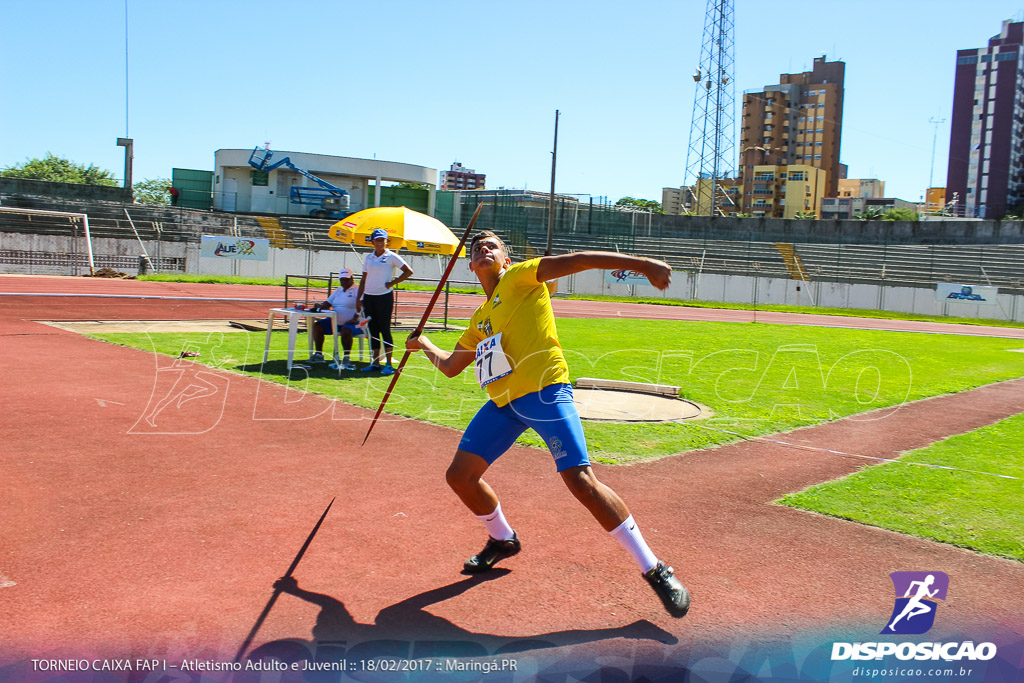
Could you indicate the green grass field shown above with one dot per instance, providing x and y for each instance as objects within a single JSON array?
[
  {"x": 973, "y": 511},
  {"x": 812, "y": 310},
  {"x": 214, "y": 279},
  {"x": 470, "y": 289},
  {"x": 758, "y": 379}
]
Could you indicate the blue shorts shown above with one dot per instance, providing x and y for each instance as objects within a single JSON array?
[
  {"x": 325, "y": 325},
  {"x": 550, "y": 412}
]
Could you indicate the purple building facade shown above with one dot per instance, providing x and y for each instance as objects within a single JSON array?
[{"x": 986, "y": 142}]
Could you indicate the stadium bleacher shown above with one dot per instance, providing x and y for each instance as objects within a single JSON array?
[
  {"x": 922, "y": 265},
  {"x": 905, "y": 265}
]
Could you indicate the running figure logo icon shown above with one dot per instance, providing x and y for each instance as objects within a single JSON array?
[{"x": 916, "y": 601}]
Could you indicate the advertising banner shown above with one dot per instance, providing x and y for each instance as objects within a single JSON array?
[
  {"x": 625, "y": 277},
  {"x": 239, "y": 248},
  {"x": 967, "y": 294}
]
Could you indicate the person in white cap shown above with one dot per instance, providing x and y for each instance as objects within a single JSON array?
[
  {"x": 377, "y": 297},
  {"x": 343, "y": 302}
]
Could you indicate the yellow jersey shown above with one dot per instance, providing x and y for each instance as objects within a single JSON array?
[{"x": 520, "y": 310}]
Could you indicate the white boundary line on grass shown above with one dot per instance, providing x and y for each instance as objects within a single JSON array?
[{"x": 853, "y": 455}]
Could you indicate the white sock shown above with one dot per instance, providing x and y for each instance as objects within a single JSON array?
[
  {"x": 629, "y": 537},
  {"x": 497, "y": 527}
]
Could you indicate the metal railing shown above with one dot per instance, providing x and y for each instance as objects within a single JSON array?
[{"x": 313, "y": 289}]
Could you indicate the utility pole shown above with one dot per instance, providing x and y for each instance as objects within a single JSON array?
[
  {"x": 551, "y": 208},
  {"x": 931, "y": 173}
]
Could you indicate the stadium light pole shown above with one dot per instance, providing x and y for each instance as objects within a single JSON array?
[
  {"x": 551, "y": 203},
  {"x": 126, "y": 141},
  {"x": 129, "y": 154},
  {"x": 711, "y": 149},
  {"x": 126, "y": 132}
]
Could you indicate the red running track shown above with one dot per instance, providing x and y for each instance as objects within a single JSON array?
[{"x": 138, "y": 527}]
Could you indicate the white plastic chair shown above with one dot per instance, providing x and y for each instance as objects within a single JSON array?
[{"x": 363, "y": 333}]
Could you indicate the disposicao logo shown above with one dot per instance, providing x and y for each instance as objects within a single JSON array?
[
  {"x": 916, "y": 596},
  {"x": 913, "y": 613}
]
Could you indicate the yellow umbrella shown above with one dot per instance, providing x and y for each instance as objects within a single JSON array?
[{"x": 407, "y": 229}]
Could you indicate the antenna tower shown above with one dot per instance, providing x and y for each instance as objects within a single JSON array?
[{"x": 711, "y": 152}]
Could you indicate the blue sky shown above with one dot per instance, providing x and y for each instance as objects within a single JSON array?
[{"x": 432, "y": 83}]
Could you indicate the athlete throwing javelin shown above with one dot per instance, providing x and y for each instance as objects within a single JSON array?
[{"x": 513, "y": 345}]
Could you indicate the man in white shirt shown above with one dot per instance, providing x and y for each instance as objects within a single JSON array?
[{"x": 343, "y": 302}]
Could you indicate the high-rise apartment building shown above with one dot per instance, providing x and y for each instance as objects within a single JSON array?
[
  {"x": 986, "y": 140},
  {"x": 458, "y": 177},
  {"x": 786, "y": 191},
  {"x": 798, "y": 121},
  {"x": 674, "y": 199}
]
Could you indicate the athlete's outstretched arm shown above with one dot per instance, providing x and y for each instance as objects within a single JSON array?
[
  {"x": 551, "y": 267},
  {"x": 450, "y": 363}
]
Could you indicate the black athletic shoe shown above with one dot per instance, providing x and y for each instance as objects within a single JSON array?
[
  {"x": 673, "y": 594},
  {"x": 492, "y": 553}
]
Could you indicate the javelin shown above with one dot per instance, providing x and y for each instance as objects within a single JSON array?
[
  {"x": 277, "y": 591},
  {"x": 423, "y": 320}
]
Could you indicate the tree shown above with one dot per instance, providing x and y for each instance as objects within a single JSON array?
[
  {"x": 877, "y": 214},
  {"x": 1015, "y": 213},
  {"x": 900, "y": 215},
  {"x": 805, "y": 215},
  {"x": 412, "y": 186},
  {"x": 59, "y": 170},
  {"x": 152, "y": 191},
  {"x": 871, "y": 214},
  {"x": 643, "y": 205}
]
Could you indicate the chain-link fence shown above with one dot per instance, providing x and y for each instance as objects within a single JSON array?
[{"x": 873, "y": 252}]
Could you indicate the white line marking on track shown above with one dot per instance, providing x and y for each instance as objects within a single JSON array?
[{"x": 5, "y": 582}]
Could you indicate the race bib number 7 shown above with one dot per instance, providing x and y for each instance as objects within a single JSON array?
[{"x": 491, "y": 363}]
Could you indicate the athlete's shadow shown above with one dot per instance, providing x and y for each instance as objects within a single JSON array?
[{"x": 406, "y": 631}]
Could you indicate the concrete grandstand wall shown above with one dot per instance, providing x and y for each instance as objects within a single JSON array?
[
  {"x": 48, "y": 254},
  {"x": 744, "y": 289},
  {"x": 686, "y": 285},
  {"x": 24, "y": 187}
]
